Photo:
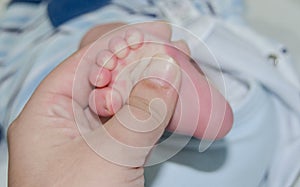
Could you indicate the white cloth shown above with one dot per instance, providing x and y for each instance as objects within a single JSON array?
[
  {"x": 264, "y": 142},
  {"x": 263, "y": 146}
]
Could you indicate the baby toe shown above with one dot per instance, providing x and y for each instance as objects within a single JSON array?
[
  {"x": 106, "y": 59},
  {"x": 119, "y": 47},
  {"x": 134, "y": 38},
  {"x": 105, "y": 102},
  {"x": 100, "y": 77}
]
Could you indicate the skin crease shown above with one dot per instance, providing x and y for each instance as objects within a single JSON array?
[{"x": 45, "y": 146}]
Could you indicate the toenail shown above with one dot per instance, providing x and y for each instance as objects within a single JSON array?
[
  {"x": 134, "y": 39},
  {"x": 121, "y": 50},
  {"x": 108, "y": 61}
]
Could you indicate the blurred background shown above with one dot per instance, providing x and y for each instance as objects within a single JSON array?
[{"x": 277, "y": 19}]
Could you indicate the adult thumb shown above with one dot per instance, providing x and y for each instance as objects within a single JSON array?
[{"x": 128, "y": 137}]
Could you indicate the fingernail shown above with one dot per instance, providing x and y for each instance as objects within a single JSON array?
[{"x": 165, "y": 69}]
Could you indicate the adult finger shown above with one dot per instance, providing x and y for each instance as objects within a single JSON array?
[{"x": 127, "y": 138}]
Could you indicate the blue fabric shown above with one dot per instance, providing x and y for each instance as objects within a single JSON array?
[
  {"x": 27, "y": 1},
  {"x": 61, "y": 11}
]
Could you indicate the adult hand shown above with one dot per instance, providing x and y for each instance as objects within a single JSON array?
[{"x": 57, "y": 141}]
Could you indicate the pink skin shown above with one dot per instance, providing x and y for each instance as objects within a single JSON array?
[{"x": 201, "y": 111}]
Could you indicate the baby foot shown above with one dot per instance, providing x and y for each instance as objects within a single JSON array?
[
  {"x": 121, "y": 66},
  {"x": 201, "y": 110}
]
